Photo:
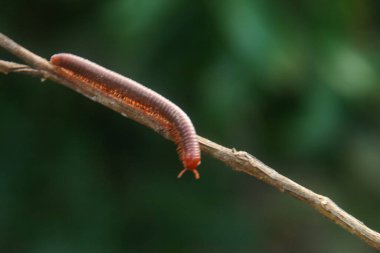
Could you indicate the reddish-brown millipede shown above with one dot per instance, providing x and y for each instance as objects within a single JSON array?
[{"x": 139, "y": 97}]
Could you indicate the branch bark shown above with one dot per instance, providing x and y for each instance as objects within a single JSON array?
[{"x": 238, "y": 160}]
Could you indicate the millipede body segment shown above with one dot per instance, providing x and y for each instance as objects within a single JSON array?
[{"x": 74, "y": 68}]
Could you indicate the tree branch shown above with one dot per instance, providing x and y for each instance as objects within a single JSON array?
[{"x": 237, "y": 160}]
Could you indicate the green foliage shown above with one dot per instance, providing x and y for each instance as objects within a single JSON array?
[{"x": 294, "y": 83}]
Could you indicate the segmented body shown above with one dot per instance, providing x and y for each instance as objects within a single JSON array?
[{"x": 140, "y": 98}]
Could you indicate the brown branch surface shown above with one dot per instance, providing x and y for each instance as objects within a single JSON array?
[{"x": 237, "y": 160}]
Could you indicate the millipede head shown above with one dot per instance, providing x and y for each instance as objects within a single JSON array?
[
  {"x": 191, "y": 165},
  {"x": 196, "y": 173}
]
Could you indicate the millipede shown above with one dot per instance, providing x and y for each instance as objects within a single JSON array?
[{"x": 134, "y": 95}]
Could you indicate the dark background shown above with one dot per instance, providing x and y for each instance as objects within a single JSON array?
[{"x": 295, "y": 83}]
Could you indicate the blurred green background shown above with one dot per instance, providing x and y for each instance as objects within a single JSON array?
[{"x": 295, "y": 83}]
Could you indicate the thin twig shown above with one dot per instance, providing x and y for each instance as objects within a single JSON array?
[
  {"x": 8, "y": 66},
  {"x": 237, "y": 160}
]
